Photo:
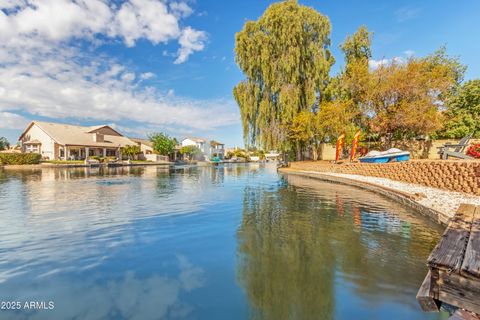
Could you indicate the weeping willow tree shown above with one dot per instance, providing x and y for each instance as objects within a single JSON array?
[{"x": 286, "y": 60}]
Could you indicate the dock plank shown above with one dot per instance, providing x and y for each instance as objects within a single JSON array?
[
  {"x": 471, "y": 261},
  {"x": 459, "y": 291},
  {"x": 425, "y": 298},
  {"x": 449, "y": 252}
]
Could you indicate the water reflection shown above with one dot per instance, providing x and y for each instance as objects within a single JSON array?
[
  {"x": 130, "y": 296},
  {"x": 310, "y": 253},
  {"x": 65, "y": 208},
  {"x": 224, "y": 242}
]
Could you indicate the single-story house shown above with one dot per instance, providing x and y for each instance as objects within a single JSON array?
[{"x": 57, "y": 141}]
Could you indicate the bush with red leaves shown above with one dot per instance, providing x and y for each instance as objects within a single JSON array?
[{"x": 474, "y": 150}]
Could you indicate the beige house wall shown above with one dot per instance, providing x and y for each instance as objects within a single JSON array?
[
  {"x": 47, "y": 149},
  {"x": 156, "y": 158},
  {"x": 146, "y": 149},
  {"x": 328, "y": 152}
]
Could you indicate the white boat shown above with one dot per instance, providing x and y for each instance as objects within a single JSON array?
[{"x": 391, "y": 155}]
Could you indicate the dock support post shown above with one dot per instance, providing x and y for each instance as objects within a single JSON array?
[{"x": 427, "y": 302}]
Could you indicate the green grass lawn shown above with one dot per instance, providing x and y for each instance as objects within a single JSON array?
[{"x": 64, "y": 161}]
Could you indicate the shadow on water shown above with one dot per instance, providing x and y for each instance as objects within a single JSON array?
[{"x": 311, "y": 249}]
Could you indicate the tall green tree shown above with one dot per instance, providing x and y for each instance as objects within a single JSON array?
[
  {"x": 286, "y": 59},
  {"x": 302, "y": 131},
  {"x": 463, "y": 111},
  {"x": 356, "y": 47},
  {"x": 4, "y": 144},
  {"x": 357, "y": 52},
  {"x": 162, "y": 143}
]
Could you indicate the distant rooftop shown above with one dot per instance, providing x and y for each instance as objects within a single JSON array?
[
  {"x": 143, "y": 141},
  {"x": 196, "y": 139},
  {"x": 216, "y": 143}
]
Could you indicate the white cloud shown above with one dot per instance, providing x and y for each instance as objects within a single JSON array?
[
  {"x": 10, "y": 120},
  {"x": 407, "y": 13},
  {"x": 375, "y": 64},
  {"x": 147, "y": 75},
  {"x": 62, "y": 20},
  {"x": 128, "y": 76},
  {"x": 181, "y": 9},
  {"x": 44, "y": 73},
  {"x": 148, "y": 19},
  {"x": 409, "y": 53},
  {"x": 64, "y": 82},
  {"x": 190, "y": 41}
]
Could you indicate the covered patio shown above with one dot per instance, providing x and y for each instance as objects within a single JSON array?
[{"x": 84, "y": 152}]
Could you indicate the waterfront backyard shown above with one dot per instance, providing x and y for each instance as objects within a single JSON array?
[{"x": 227, "y": 242}]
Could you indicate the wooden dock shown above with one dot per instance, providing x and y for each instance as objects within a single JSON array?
[{"x": 454, "y": 265}]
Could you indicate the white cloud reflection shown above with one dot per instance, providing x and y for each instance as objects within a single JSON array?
[{"x": 129, "y": 297}]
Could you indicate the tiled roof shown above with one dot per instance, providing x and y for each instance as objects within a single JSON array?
[
  {"x": 216, "y": 143},
  {"x": 65, "y": 134},
  {"x": 196, "y": 139},
  {"x": 143, "y": 141},
  {"x": 35, "y": 141}
]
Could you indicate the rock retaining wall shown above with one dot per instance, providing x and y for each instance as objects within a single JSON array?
[{"x": 461, "y": 176}]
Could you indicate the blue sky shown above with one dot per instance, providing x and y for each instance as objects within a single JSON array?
[{"x": 146, "y": 65}]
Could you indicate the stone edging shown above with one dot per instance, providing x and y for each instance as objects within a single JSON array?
[{"x": 405, "y": 198}]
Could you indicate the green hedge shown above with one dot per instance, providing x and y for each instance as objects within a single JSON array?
[{"x": 19, "y": 158}]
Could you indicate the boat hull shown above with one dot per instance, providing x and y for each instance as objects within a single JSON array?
[{"x": 386, "y": 158}]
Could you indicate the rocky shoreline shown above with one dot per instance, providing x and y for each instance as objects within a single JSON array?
[{"x": 439, "y": 204}]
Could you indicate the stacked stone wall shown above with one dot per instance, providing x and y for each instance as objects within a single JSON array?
[{"x": 460, "y": 176}]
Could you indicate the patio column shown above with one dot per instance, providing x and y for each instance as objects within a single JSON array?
[
  {"x": 87, "y": 152},
  {"x": 67, "y": 153},
  {"x": 104, "y": 152}
]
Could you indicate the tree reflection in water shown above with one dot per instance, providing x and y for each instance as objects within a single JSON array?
[{"x": 301, "y": 244}]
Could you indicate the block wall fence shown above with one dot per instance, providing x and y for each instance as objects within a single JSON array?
[
  {"x": 418, "y": 149},
  {"x": 460, "y": 176}
]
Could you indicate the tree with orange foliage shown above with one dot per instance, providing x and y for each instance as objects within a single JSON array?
[{"x": 402, "y": 99}]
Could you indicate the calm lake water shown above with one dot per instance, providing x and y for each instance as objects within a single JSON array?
[{"x": 233, "y": 242}]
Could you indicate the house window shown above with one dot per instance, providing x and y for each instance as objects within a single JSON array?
[{"x": 32, "y": 148}]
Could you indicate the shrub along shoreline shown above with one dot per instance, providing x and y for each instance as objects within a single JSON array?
[{"x": 19, "y": 158}]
